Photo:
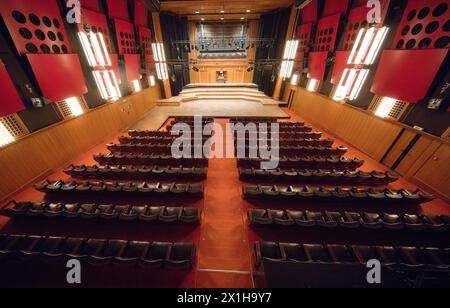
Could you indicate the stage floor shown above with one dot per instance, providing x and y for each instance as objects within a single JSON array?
[
  {"x": 221, "y": 85},
  {"x": 212, "y": 108}
]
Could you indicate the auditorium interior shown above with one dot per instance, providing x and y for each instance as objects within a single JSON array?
[{"x": 354, "y": 98}]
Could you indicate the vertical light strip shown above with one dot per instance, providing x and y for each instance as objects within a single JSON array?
[
  {"x": 87, "y": 49},
  {"x": 111, "y": 89},
  {"x": 100, "y": 84},
  {"x": 116, "y": 84},
  {"x": 340, "y": 95},
  {"x": 97, "y": 49},
  {"x": 358, "y": 84},
  {"x": 5, "y": 136},
  {"x": 365, "y": 45},
  {"x": 105, "y": 49},
  {"x": 376, "y": 46},
  {"x": 355, "y": 47}
]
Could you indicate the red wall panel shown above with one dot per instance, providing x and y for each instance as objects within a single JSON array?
[
  {"x": 425, "y": 24},
  {"x": 407, "y": 74},
  {"x": 340, "y": 64},
  {"x": 125, "y": 37},
  {"x": 140, "y": 14},
  {"x": 91, "y": 5},
  {"x": 333, "y": 7},
  {"x": 317, "y": 65},
  {"x": 133, "y": 67},
  {"x": 118, "y": 9},
  {"x": 145, "y": 41},
  {"x": 326, "y": 33},
  {"x": 309, "y": 13},
  {"x": 35, "y": 26},
  {"x": 10, "y": 101},
  {"x": 58, "y": 76}
]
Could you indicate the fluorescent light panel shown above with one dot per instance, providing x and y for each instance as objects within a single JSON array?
[
  {"x": 385, "y": 107},
  {"x": 74, "y": 105},
  {"x": 5, "y": 136}
]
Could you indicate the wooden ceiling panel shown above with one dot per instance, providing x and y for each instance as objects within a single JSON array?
[{"x": 213, "y": 7}]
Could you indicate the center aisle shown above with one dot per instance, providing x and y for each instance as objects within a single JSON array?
[{"x": 224, "y": 252}]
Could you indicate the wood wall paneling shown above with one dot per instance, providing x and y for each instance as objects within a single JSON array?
[
  {"x": 426, "y": 164},
  {"x": 435, "y": 173},
  {"x": 44, "y": 151}
]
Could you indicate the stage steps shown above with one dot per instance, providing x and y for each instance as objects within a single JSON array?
[{"x": 220, "y": 93}]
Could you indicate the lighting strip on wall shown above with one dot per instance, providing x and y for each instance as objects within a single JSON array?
[
  {"x": 287, "y": 65},
  {"x": 160, "y": 61},
  {"x": 367, "y": 47},
  {"x": 96, "y": 52}
]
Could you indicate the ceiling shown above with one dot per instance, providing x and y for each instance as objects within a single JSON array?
[{"x": 234, "y": 9}]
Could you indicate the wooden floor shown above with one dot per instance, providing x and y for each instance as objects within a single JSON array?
[
  {"x": 224, "y": 240},
  {"x": 221, "y": 109}
]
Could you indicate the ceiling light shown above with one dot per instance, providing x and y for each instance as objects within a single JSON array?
[
  {"x": 222, "y": 11},
  {"x": 222, "y": 18},
  {"x": 203, "y": 19},
  {"x": 242, "y": 18},
  {"x": 197, "y": 12},
  {"x": 248, "y": 11}
]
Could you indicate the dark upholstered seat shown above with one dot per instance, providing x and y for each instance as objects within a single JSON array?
[{"x": 182, "y": 256}]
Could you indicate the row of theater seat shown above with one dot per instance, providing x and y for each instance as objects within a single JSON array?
[
  {"x": 348, "y": 220},
  {"x": 150, "y": 133},
  {"x": 407, "y": 257},
  {"x": 338, "y": 194},
  {"x": 103, "y": 212},
  {"x": 155, "y": 149},
  {"x": 254, "y": 119},
  {"x": 158, "y": 140},
  {"x": 280, "y": 135},
  {"x": 134, "y": 159},
  {"x": 98, "y": 251},
  {"x": 289, "y": 151},
  {"x": 305, "y": 162},
  {"x": 129, "y": 188},
  {"x": 286, "y": 142},
  {"x": 317, "y": 176},
  {"x": 287, "y": 125},
  {"x": 136, "y": 172}
]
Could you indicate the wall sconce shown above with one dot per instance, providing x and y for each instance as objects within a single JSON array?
[
  {"x": 313, "y": 85},
  {"x": 294, "y": 80},
  {"x": 5, "y": 136},
  {"x": 136, "y": 84}
]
